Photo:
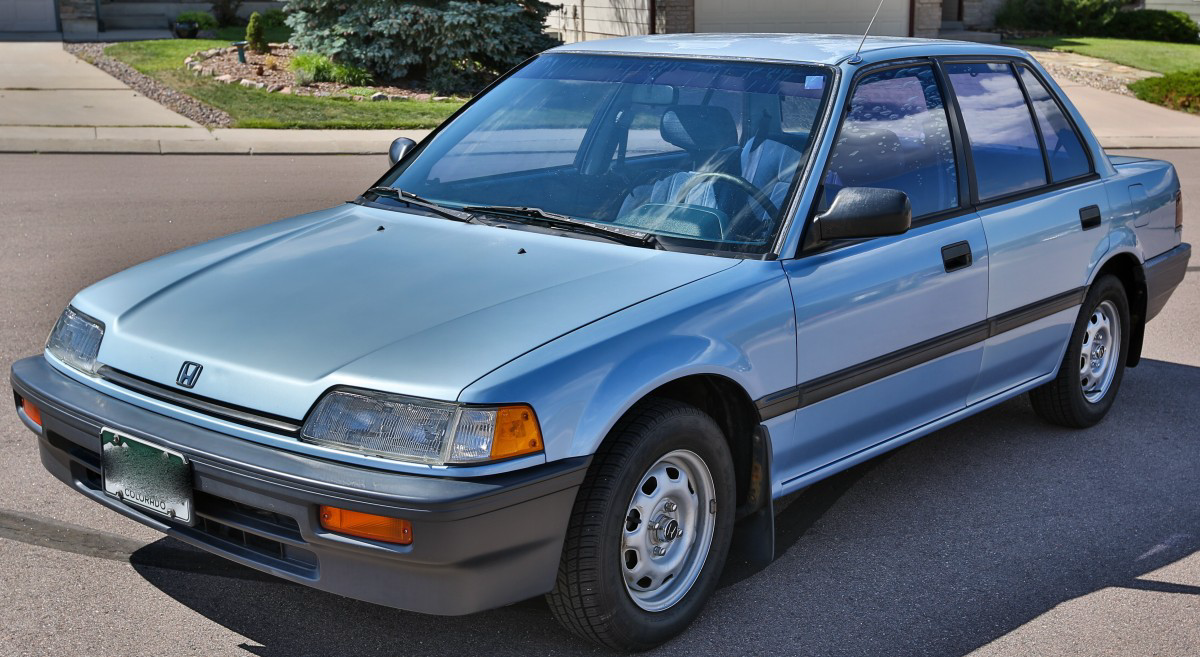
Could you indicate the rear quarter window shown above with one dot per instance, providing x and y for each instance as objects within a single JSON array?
[{"x": 1064, "y": 148}]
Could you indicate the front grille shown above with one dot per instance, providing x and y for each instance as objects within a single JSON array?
[{"x": 213, "y": 407}]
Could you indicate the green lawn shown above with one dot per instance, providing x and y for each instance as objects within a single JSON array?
[
  {"x": 255, "y": 108},
  {"x": 1157, "y": 56}
]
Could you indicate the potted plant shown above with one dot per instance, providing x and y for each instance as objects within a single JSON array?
[{"x": 189, "y": 23}]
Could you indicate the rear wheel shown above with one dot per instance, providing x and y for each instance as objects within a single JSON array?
[
  {"x": 650, "y": 529},
  {"x": 1091, "y": 371}
]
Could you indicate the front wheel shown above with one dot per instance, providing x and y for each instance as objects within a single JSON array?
[
  {"x": 650, "y": 529},
  {"x": 1091, "y": 371}
]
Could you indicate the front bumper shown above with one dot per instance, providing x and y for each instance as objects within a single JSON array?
[
  {"x": 478, "y": 543},
  {"x": 1164, "y": 273}
]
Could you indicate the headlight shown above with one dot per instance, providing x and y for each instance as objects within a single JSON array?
[
  {"x": 75, "y": 340},
  {"x": 420, "y": 430}
]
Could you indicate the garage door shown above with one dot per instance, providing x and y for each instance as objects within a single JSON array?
[
  {"x": 27, "y": 16},
  {"x": 820, "y": 16}
]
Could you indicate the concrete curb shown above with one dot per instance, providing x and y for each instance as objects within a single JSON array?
[
  {"x": 175, "y": 141},
  {"x": 320, "y": 142}
]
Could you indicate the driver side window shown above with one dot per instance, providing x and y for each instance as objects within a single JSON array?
[{"x": 896, "y": 135}]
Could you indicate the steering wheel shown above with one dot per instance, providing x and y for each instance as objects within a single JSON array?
[{"x": 753, "y": 192}]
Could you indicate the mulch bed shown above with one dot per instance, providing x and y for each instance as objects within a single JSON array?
[{"x": 179, "y": 103}]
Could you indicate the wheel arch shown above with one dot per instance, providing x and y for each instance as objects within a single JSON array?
[{"x": 1127, "y": 268}]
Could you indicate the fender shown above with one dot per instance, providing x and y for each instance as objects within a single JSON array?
[{"x": 738, "y": 324}]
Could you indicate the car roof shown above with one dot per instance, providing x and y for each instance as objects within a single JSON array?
[{"x": 810, "y": 48}]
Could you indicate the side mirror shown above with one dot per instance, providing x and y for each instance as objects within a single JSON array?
[
  {"x": 399, "y": 148},
  {"x": 860, "y": 212}
]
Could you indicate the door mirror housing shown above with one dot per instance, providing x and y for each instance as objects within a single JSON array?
[
  {"x": 862, "y": 212},
  {"x": 399, "y": 148}
]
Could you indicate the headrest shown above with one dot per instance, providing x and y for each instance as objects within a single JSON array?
[
  {"x": 699, "y": 128},
  {"x": 864, "y": 154}
]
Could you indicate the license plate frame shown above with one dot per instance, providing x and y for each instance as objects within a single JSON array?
[{"x": 147, "y": 476}]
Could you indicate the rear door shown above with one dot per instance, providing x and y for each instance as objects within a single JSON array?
[
  {"x": 1042, "y": 206},
  {"x": 888, "y": 328}
]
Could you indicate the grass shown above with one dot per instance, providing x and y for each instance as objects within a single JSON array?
[
  {"x": 1157, "y": 56},
  {"x": 255, "y": 108}
]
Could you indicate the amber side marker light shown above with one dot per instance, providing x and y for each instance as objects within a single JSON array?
[
  {"x": 516, "y": 432},
  {"x": 366, "y": 525},
  {"x": 32, "y": 412}
]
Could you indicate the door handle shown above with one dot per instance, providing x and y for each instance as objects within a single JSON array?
[
  {"x": 1089, "y": 217},
  {"x": 957, "y": 256}
]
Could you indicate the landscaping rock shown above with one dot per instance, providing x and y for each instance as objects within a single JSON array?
[
  {"x": 379, "y": 95},
  {"x": 224, "y": 78},
  {"x": 286, "y": 90},
  {"x": 441, "y": 98}
]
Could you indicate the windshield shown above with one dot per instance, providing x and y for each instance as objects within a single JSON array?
[{"x": 701, "y": 153}]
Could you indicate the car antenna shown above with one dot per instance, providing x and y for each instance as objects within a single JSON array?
[{"x": 855, "y": 59}]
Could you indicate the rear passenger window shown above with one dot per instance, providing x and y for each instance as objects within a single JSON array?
[
  {"x": 896, "y": 135},
  {"x": 1004, "y": 146},
  {"x": 1064, "y": 148}
]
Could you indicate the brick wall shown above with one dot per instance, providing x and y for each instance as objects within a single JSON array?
[
  {"x": 927, "y": 17},
  {"x": 980, "y": 13},
  {"x": 78, "y": 18},
  {"x": 676, "y": 16}
]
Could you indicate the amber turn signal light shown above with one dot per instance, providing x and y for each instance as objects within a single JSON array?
[
  {"x": 516, "y": 432},
  {"x": 366, "y": 525},
  {"x": 32, "y": 412}
]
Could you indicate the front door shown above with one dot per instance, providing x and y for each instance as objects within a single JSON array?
[{"x": 888, "y": 328}]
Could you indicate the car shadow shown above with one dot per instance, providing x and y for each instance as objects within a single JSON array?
[{"x": 937, "y": 548}]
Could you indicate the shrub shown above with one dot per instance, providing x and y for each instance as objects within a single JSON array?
[
  {"x": 256, "y": 39},
  {"x": 1154, "y": 25},
  {"x": 458, "y": 45},
  {"x": 273, "y": 18},
  {"x": 202, "y": 18},
  {"x": 309, "y": 67},
  {"x": 226, "y": 11},
  {"x": 1179, "y": 91},
  {"x": 1075, "y": 17}
]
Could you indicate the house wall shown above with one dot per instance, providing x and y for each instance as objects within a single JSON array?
[
  {"x": 1189, "y": 7},
  {"x": 587, "y": 20},
  {"x": 819, "y": 16}
]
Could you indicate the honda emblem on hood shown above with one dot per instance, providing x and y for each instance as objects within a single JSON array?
[{"x": 189, "y": 374}]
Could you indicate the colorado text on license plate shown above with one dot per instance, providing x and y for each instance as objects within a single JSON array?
[{"x": 144, "y": 475}]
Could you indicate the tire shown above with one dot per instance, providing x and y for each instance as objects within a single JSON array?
[
  {"x": 671, "y": 444},
  {"x": 1092, "y": 369}
]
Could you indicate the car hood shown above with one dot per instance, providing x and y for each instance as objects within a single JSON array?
[{"x": 365, "y": 297}]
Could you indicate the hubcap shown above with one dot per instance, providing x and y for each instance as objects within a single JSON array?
[
  {"x": 1098, "y": 358},
  {"x": 668, "y": 530}
]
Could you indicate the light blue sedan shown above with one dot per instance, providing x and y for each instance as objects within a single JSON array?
[{"x": 608, "y": 312}]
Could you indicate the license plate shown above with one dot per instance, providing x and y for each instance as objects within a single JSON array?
[{"x": 146, "y": 476}]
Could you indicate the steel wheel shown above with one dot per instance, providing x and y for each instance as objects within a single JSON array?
[
  {"x": 668, "y": 530},
  {"x": 1100, "y": 351}
]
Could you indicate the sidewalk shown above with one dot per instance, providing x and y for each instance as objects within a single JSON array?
[{"x": 53, "y": 102}]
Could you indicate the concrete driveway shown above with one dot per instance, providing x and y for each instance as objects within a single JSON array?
[
  {"x": 43, "y": 85},
  {"x": 1000, "y": 536}
]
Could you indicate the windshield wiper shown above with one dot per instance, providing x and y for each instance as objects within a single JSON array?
[
  {"x": 556, "y": 220},
  {"x": 413, "y": 199}
]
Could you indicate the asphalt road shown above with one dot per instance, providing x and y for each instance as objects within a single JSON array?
[{"x": 1001, "y": 535}]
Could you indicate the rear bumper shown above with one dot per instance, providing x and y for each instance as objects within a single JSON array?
[
  {"x": 477, "y": 544},
  {"x": 1164, "y": 273}
]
